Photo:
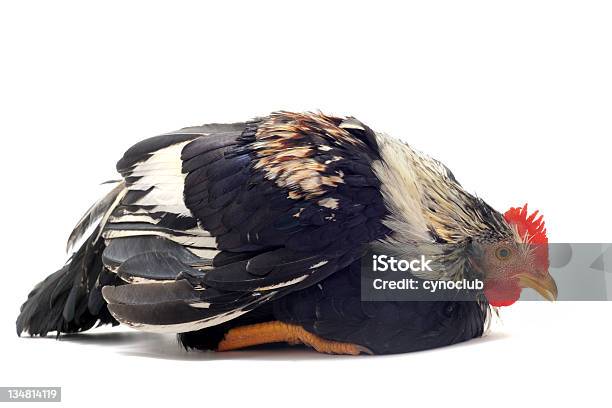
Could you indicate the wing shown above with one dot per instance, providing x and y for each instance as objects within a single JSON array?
[{"x": 246, "y": 215}]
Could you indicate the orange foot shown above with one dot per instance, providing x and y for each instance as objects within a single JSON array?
[{"x": 279, "y": 332}]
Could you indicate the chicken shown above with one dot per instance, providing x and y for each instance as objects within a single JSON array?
[{"x": 235, "y": 235}]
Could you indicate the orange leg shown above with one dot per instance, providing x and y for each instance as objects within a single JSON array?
[{"x": 279, "y": 332}]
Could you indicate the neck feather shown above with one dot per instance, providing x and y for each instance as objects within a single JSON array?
[{"x": 429, "y": 211}]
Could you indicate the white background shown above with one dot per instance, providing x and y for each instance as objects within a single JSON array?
[{"x": 515, "y": 97}]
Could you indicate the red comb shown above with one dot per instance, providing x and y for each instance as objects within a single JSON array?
[{"x": 529, "y": 228}]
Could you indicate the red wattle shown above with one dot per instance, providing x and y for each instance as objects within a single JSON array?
[{"x": 501, "y": 294}]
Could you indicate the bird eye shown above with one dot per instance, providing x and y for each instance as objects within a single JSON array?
[{"x": 502, "y": 253}]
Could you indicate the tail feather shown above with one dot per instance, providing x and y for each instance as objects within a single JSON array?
[
  {"x": 61, "y": 302},
  {"x": 97, "y": 214},
  {"x": 70, "y": 300}
]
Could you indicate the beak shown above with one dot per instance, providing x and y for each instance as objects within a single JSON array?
[{"x": 543, "y": 284}]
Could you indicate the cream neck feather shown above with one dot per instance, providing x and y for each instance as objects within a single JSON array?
[{"x": 426, "y": 204}]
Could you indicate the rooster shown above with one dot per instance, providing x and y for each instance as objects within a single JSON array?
[{"x": 236, "y": 235}]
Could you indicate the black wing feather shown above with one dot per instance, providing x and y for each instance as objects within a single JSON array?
[{"x": 290, "y": 199}]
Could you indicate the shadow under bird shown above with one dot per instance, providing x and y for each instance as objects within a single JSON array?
[{"x": 235, "y": 235}]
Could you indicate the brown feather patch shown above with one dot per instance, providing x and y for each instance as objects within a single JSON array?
[{"x": 286, "y": 145}]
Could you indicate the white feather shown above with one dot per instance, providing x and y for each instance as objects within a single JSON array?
[{"x": 163, "y": 172}]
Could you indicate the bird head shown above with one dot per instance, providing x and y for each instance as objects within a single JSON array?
[{"x": 512, "y": 262}]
